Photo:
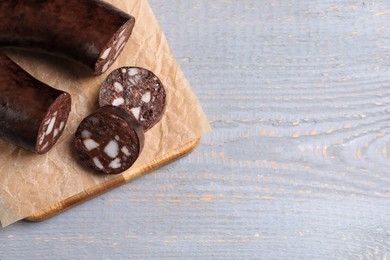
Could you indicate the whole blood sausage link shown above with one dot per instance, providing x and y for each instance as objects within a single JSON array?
[
  {"x": 91, "y": 32},
  {"x": 109, "y": 140},
  {"x": 32, "y": 114},
  {"x": 138, "y": 91}
]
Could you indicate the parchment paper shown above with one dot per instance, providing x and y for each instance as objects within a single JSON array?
[{"x": 31, "y": 182}]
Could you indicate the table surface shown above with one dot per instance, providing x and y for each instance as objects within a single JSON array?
[{"x": 297, "y": 164}]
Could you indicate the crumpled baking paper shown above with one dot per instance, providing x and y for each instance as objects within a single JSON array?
[{"x": 30, "y": 182}]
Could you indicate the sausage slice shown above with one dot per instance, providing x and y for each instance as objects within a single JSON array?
[
  {"x": 138, "y": 91},
  {"x": 109, "y": 140}
]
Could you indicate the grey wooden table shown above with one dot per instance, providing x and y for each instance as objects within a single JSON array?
[{"x": 297, "y": 165}]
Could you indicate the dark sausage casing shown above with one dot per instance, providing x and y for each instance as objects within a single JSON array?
[
  {"x": 32, "y": 114},
  {"x": 109, "y": 140},
  {"x": 91, "y": 32}
]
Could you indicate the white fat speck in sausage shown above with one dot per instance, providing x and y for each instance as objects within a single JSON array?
[
  {"x": 106, "y": 53},
  {"x": 97, "y": 162},
  {"x": 125, "y": 151},
  {"x": 115, "y": 164},
  {"x": 118, "y": 101},
  {"x": 136, "y": 112},
  {"x": 112, "y": 149},
  {"x": 51, "y": 125},
  {"x": 118, "y": 86},
  {"x": 90, "y": 144},
  {"x": 146, "y": 97},
  {"x": 133, "y": 71},
  {"x": 55, "y": 133}
]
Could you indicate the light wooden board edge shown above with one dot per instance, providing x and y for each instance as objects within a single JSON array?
[{"x": 113, "y": 183}]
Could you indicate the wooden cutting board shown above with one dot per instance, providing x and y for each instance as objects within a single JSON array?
[{"x": 114, "y": 182}]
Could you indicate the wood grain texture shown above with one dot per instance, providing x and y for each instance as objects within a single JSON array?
[{"x": 297, "y": 165}]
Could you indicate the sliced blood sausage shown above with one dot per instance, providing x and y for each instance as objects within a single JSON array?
[
  {"x": 138, "y": 91},
  {"x": 32, "y": 114},
  {"x": 109, "y": 140},
  {"x": 91, "y": 32}
]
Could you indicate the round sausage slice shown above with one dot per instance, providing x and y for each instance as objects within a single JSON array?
[
  {"x": 109, "y": 140},
  {"x": 138, "y": 91},
  {"x": 32, "y": 114}
]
